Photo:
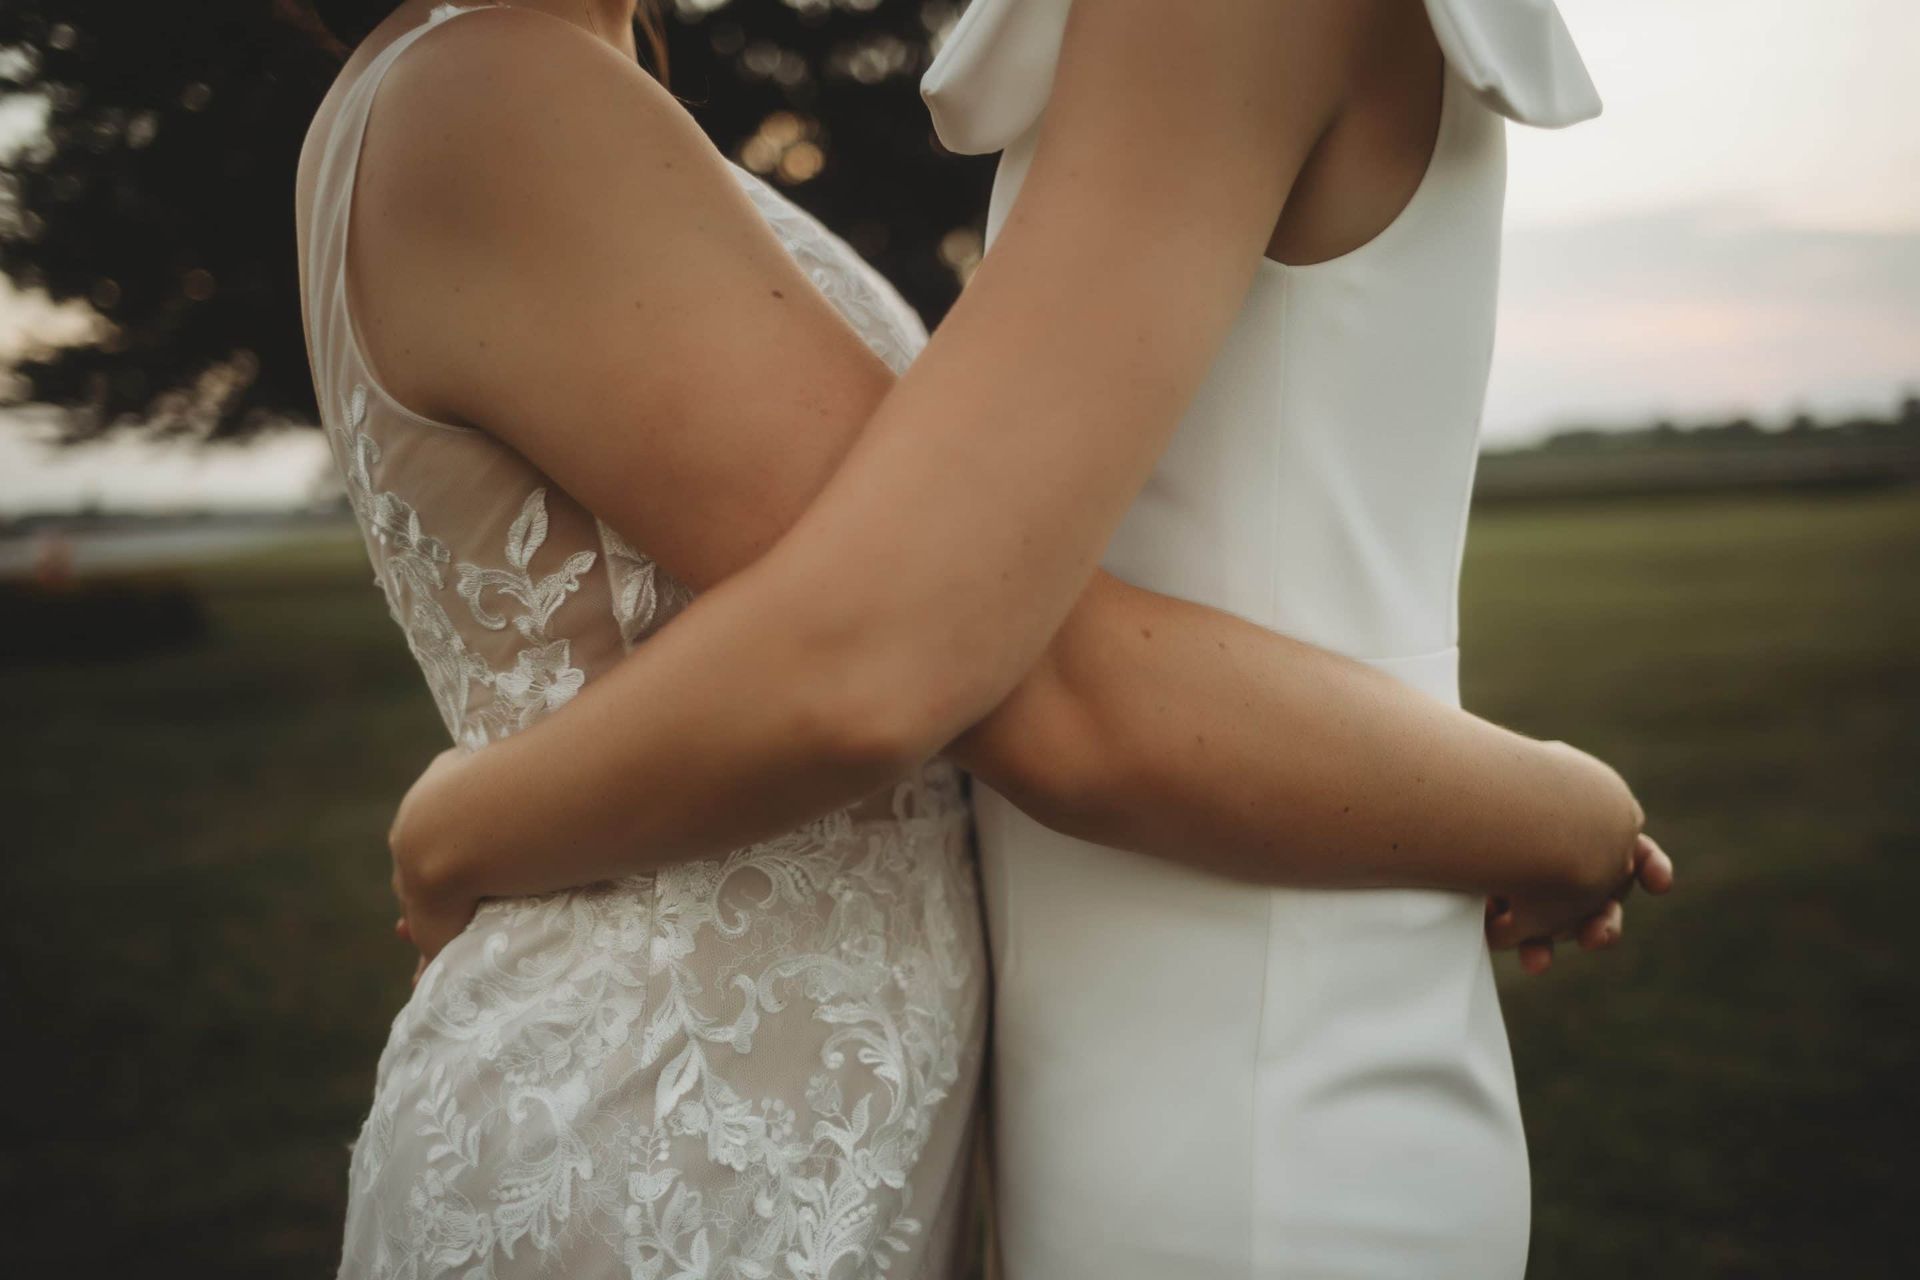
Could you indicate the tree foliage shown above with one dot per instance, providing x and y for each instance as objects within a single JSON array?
[{"x": 160, "y": 192}]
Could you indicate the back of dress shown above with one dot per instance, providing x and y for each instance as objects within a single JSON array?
[
  {"x": 1198, "y": 1077},
  {"x": 761, "y": 1064}
]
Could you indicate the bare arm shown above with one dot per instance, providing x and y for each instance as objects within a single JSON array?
[
  {"x": 700, "y": 399},
  {"x": 1154, "y": 725}
]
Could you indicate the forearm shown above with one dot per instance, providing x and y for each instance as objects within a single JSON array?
[
  {"x": 721, "y": 731},
  {"x": 1185, "y": 733}
]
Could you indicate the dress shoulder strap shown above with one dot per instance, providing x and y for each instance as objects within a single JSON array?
[{"x": 332, "y": 337}]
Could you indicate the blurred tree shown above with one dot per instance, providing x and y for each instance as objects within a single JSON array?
[
  {"x": 823, "y": 97},
  {"x": 160, "y": 194},
  {"x": 160, "y": 191}
]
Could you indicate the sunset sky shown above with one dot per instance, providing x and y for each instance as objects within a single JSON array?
[{"x": 1740, "y": 231}]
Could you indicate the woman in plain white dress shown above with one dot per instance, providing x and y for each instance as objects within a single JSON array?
[
  {"x": 1193, "y": 1077},
  {"x": 746, "y": 1051}
]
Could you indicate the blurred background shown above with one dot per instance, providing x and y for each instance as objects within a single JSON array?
[{"x": 1693, "y": 552}]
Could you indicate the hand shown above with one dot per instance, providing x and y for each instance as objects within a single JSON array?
[
  {"x": 1533, "y": 925},
  {"x": 434, "y": 906}
]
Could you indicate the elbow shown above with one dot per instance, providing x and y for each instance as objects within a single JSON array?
[
  {"x": 878, "y": 719},
  {"x": 882, "y": 700},
  {"x": 1600, "y": 851},
  {"x": 1072, "y": 794},
  {"x": 1041, "y": 747},
  {"x": 860, "y": 738},
  {"x": 884, "y": 687},
  {"x": 425, "y": 851},
  {"x": 1047, "y": 754}
]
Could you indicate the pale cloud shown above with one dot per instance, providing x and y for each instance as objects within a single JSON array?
[
  {"x": 130, "y": 473},
  {"x": 1738, "y": 232},
  {"x": 1802, "y": 112},
  {"x": 1689, "y": 314}
]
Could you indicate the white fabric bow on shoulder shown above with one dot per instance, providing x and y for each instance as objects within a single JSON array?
[{"x": 991, "y": 79}]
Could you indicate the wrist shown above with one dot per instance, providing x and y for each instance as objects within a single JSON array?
[
  {"x": 1603, "y": 819},
  {"x": 434, "y": 859}
]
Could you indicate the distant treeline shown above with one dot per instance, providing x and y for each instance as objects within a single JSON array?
[{"x": 1739, "y": 453}]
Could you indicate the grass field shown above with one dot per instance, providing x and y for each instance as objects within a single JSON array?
[{"x": 199, "y": 972}]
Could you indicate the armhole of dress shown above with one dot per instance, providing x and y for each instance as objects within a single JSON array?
[{"x": 350, "y": 144}]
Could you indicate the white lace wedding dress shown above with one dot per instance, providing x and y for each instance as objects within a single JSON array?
[{"x": 759, "y": 1066}]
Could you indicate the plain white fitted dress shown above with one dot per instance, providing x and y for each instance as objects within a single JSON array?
[
  {"x": 1197, "y": 1078},
  {"x": 741, "y": 1068}
]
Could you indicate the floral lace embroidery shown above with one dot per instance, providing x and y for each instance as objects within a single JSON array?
[
  {"x": 884, "y": 321},
  {"x": 644, "y": 597},
  {"x": 585, "y": 1057},
  {"x": 410, "y": 567}
]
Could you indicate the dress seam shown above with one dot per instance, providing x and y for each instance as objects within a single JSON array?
[{"x": 1266, "y": 954}]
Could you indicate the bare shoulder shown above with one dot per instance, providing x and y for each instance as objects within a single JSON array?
[
  {"x": 497, "y": 111},
  {"x": 1277, "y": 63},
  {"x": 521, "y": 184},
  {"x": 1189, "y": 44}
]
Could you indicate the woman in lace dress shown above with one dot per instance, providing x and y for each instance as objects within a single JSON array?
[{"x": 721, "y": 1011}]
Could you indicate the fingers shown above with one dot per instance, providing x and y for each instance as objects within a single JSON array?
[
  {"x": 1653, "y": 869},
  {"x": 1603, "y": 928},
  {"x": 1503, "y": 927},
  {"x": 1532, "y": 929}
]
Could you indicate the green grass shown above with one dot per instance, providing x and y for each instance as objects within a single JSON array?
[
  {"x": 200, "y": 968},
  {"x": 199, "y": 973},
  {"x": 1731, "y": 1093}
]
